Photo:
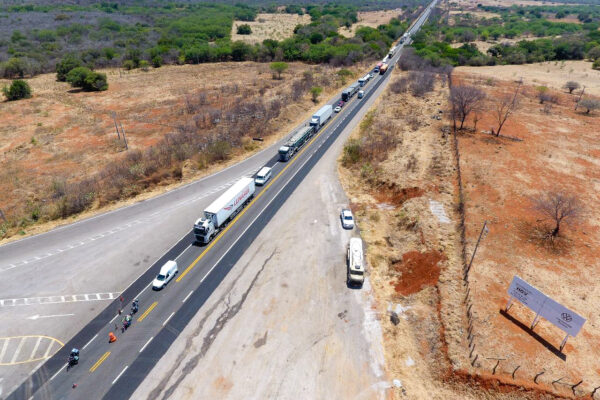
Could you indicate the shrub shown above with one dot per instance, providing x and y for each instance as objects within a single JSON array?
[
  {"x": 87, "y": 80},
  {"x": 157, "y": 61},
  {"x": 278, "y": 67},
  {"x": 596, "y": 64},
  {"x": 65, "y": 65},
  {"x": 351, "y": 152},
  {"x": 315, "y": 92},
  {"x": 14, "y": 68},
  {"x": 76, "y": 76},
  {"x": 18, "y": 89},
  {"x": 244, "y": 29},
  {"x": 95, "y": 81}
]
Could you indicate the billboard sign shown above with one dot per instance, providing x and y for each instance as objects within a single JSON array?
[{"x": 557, "y": 314}]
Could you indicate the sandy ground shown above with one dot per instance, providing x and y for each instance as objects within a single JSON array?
[
  {"x": 62, "y": 135},
  {"x": 553, "y": 74},
  {"x": 484, "y": 46},
  {"x": 559, "y": 151},
  {"x": 370, "y": 18},
  {"x": 283, "y": 326},
  {"x": 270, "y": 26}
]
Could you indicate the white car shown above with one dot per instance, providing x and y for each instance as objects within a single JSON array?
[
  {"x": 361, "y": 94},
  {"x": 337, "y": 109},
  {"x": 167, "y": 272},
  {"x": 347, "y": 219}
]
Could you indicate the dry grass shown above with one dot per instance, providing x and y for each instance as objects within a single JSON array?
[
  {"x": 269, "y": 26},
  {"x": 62, "y": 136},
  {"x": 559, "y": 151},
  {"x": 472, "y": 4},
  {"x": 371, "y": 19},
  {"x": 476, "y": 14},
  {"x": 553, "y": 74}
]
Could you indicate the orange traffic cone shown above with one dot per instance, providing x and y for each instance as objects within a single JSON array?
[{"x": 111, "y": 337}]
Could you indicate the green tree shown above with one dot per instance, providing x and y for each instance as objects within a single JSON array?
[
  {"x": 65, "y": 65},
  {"x": 315, "y": 91},
  {"x": 279, "y": 67},
  {"x": 244, "y": 29},
  {"x": 128, "y": 65},
  {"x": 157, "y": 61},
  {"x": 18, "y": 89}
]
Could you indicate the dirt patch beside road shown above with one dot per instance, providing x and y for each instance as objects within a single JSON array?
[
  {"x": 371, "y": 19},
  {"x": 269, "y": 26}
]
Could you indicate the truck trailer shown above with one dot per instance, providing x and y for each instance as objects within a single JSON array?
[
  {"x": 223, "y": 209},
  {"x": 296, "y": 141},
  {"x": 363, "y": 81},
  {"x": 321, "y": 117},
  {"x": 383, "y": 69}
]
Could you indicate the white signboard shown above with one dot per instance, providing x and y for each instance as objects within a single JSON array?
[{"x": 544, "y": 306}]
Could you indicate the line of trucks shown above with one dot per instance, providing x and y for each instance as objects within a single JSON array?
[{"x": 221, "y": 211}]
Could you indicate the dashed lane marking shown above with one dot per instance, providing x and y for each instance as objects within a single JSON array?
[
  {"x": 145, "y": 314},
  {"x": 29, "y": 301},
  {"x": 16, "y": 350}
]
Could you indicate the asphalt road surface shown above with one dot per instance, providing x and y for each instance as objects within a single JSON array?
[{"x": 114, "y": 371}]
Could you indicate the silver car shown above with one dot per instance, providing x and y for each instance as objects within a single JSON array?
[{"x": 347, "y": 219}]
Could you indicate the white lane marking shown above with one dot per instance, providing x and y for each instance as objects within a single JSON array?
[
  {"x": 188, "y": 296},
  {"x": 141, "y": 291},
  {"x": 4, "y": 347},
  {"x": 147, "y": 343},
  {"x": 19, "y": 347},
  {"x": 37, "y": 316},
  {"x": 37, "y": 344},
  {"x": 118, "y": 376},
  {"x": 167, "y": 320},
  {"x": 57, "y": 299},
  {"x": 111, "y": 321},
  {"x": 91, "y": 340},
  {"x": 57, "y": 372}
]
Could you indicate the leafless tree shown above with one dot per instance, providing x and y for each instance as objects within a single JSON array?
[
  {"x": 504, "y": 106},
  {"x": 559, "y": 208},
  {"x": 590, "y": 104},
  {"x": 572, "y": 85},
  {"x": 464, "y": 99}
]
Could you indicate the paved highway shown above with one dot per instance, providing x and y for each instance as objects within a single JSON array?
[{"x": 113, "y": 371}]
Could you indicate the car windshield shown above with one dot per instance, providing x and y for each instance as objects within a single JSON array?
[
  {"x": 160, "y": 277},
  {"x": 357, "y": 272},
  {"x": 348, "y": 217}
]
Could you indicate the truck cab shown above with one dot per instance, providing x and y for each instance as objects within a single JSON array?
[
  {"x": 204, "y": 230},
  {"x": 285, "y": 152}
]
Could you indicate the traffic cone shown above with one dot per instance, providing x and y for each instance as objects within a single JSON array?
[{"x": 111, "y": 337}]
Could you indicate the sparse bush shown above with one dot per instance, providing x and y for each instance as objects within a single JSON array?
[
  {"x": 399, "y": 85},
  {"x": 87, "y": 80},
  {"x": 14, "y": 68},
  {"x": 18, "y": 89},
  {"x": 351, "y": 153},
  {"x": 157, "y": 61},
  {"x": 315, "y": 91},
  {"x": 589, "y": 104},
  {"x": 128, "y": 65},
  {"x": 343, "y": 74},
  {"x": 144, "y": 65},
  {"x": 278, "y": 67},
  {"x": 596, "y": 64},
  {"x": 559, "y": 208},
  {"x": 244, "y": 29},
  {"x": 572, "y": 85}
]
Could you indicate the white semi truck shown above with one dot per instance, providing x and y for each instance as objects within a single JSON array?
[
  {"x": 321, "y": 116},
  {"x": 223, "y": 209}
]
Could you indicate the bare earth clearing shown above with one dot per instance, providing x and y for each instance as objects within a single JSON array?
[
  {"x": 371, "y": 19},
  {"x": 269, "y": 26},
  {"x": 61, "y": 134},
  {"x": 553, "y": 74},
  {"x": 559, "y": 151}
]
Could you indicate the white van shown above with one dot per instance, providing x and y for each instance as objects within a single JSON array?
[
  {"x": 361, "y": 94},
  {"x": 354, "y": 259},
  {"x": 263, "y": 176},
  {"x": 167, "y": 272}
]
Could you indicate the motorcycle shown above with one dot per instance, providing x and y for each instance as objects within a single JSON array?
[
  {"x": 126, "y": 322},
  {"x": 73, "y": 358},
  {"x": 134, "y": 307}
]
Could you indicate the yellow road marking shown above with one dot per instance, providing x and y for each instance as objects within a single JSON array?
[
  {"x": 220, "y": 235},
  {"x": 52, "y": 340},
  {"x": 100, "y": 361},
  {"x": 141, "y": 318}
]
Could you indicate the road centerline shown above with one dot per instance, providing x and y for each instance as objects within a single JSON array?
[
  {"x": 145, "y": 314},
  {"x": 100, "y": 361}
]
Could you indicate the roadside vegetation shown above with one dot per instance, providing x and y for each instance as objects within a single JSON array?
[
  {"x": 520, "y": 35},
  {"x": 148, "y": 33}
]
